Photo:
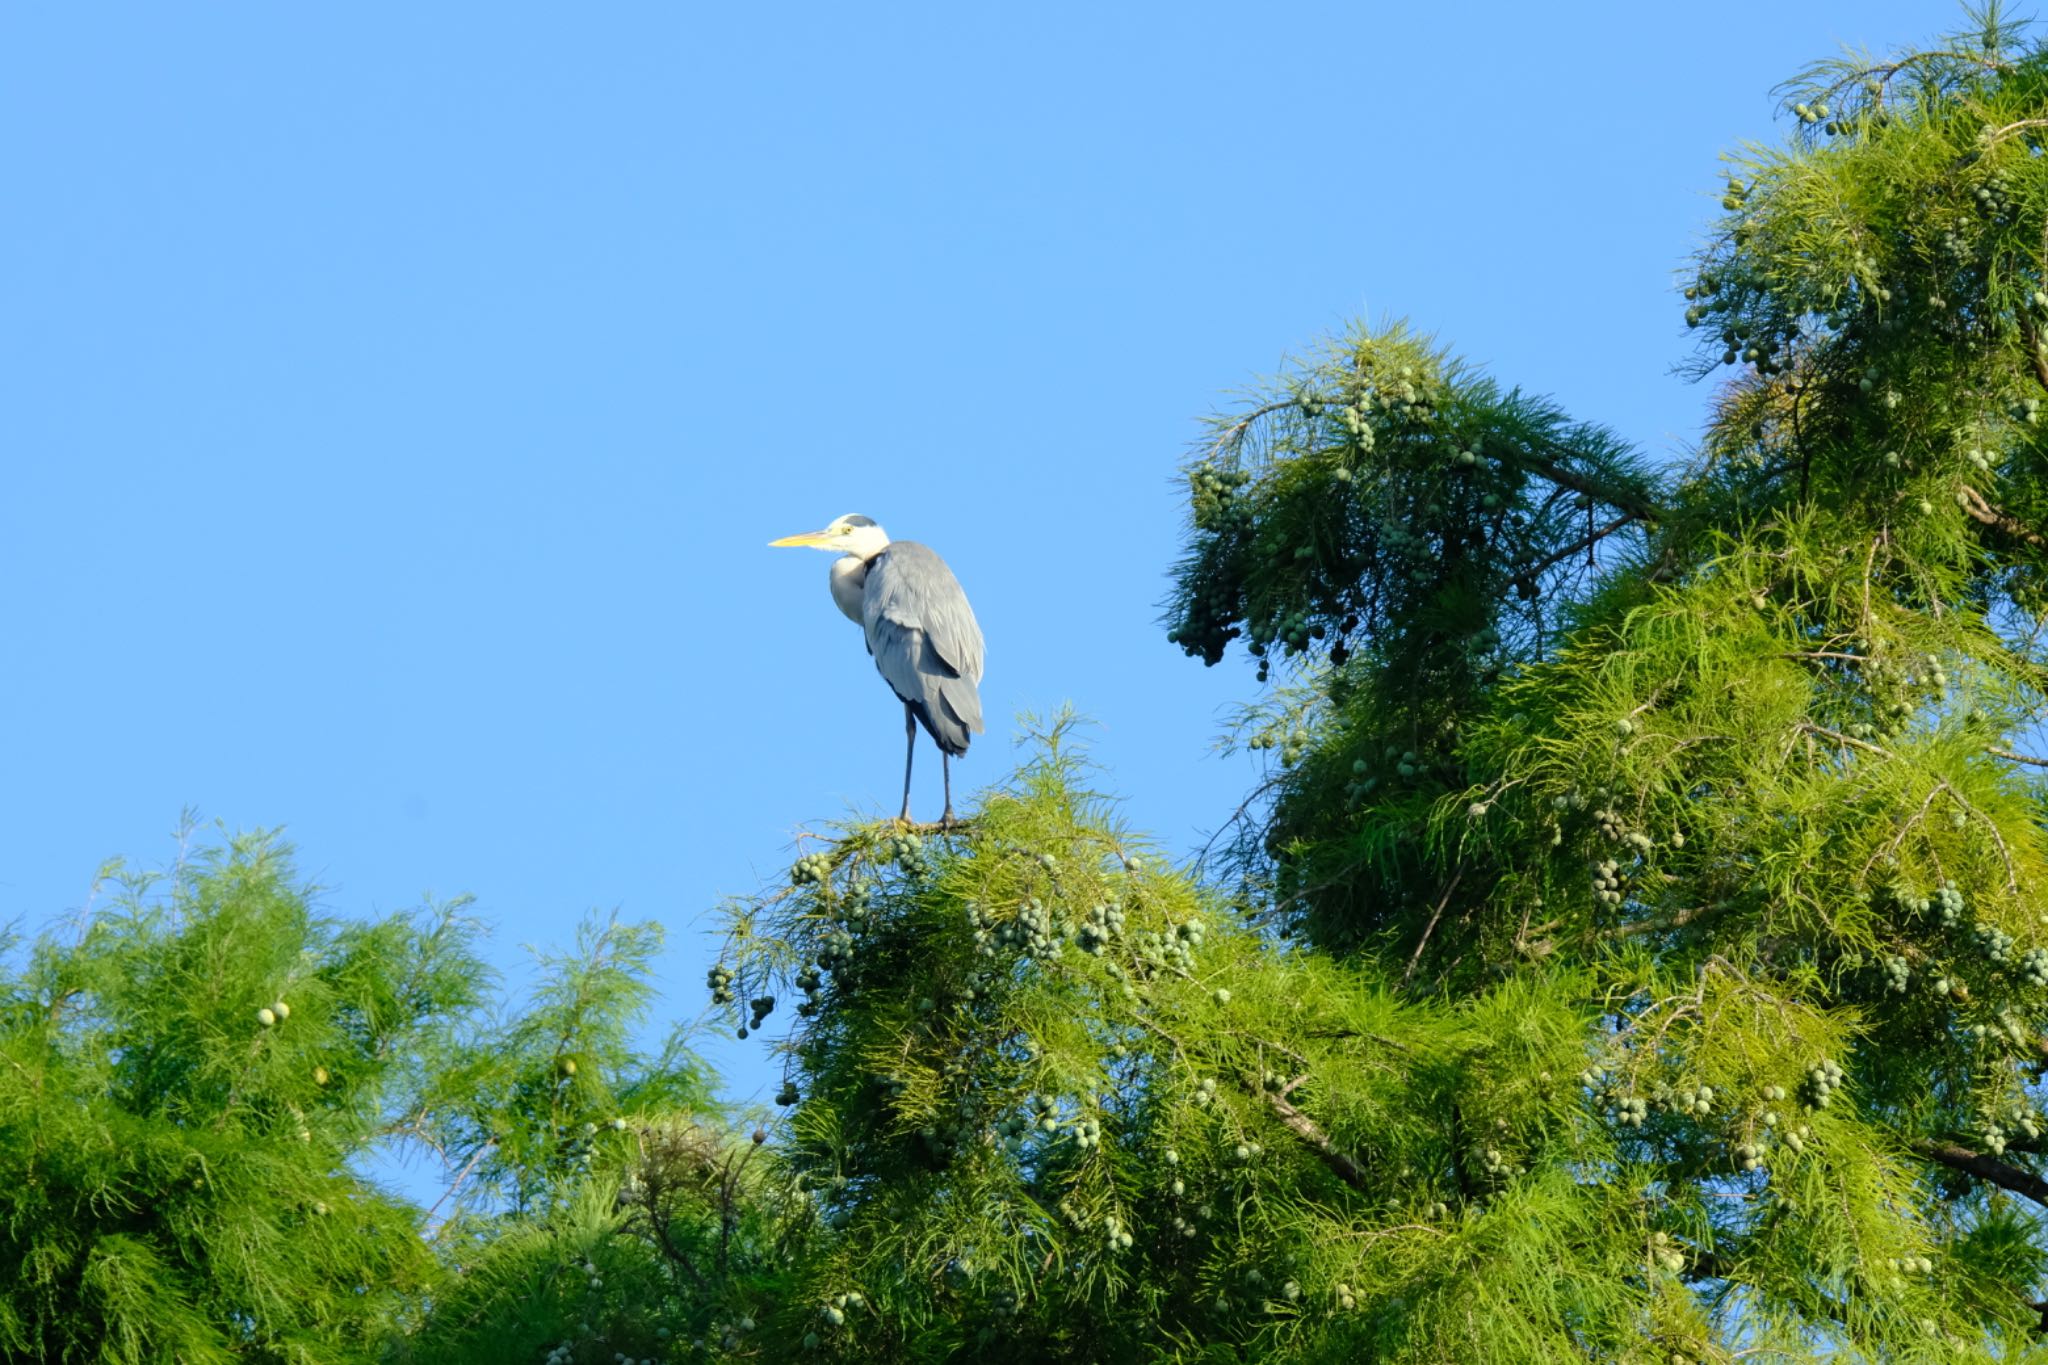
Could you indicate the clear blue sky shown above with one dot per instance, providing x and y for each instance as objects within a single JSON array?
[{"x": 396, "y": 401}]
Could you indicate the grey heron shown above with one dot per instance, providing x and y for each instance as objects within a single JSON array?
[{"x": 919, "y": 629}]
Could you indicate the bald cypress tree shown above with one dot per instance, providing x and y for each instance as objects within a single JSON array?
[
  {"x": 202, "y": 1074},
  {"x": 184, "y": 1074},
  {"x": 1740, "y": 743},
  {"x": 1638, "y": 951}
]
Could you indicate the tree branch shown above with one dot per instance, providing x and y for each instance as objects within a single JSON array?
[
  {"x": 461, "y": 1176},
  {"x": 1984, "y": 1167},
  {"x": 1301, "y": 1125},
  {"x": 1808, "y": 727},
  {"x": 1243, "y": 424},
  {"x": 658, "y": 1225},
  {"x": 1993, "y": 135},
  {"x": 1998, "y": 520},
  {"x": 2034, "y": 356},
  {"x": 1640, "y": 508},
  {"x": 1306, "y": 1128},
  {"x": 1675, "y": 920},
  {"x": 1415, "y": 958},
  {"x": 1584, "y": 542}
]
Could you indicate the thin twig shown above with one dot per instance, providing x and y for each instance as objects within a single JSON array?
[
  {"x": 1584, "y": 542},
  {"x": 1415, "y": 957},
  {"x": 1991, "y": 136},
  {"x": 1238, "y": 428},
  {"x": 1893, "y": 847},
  {"x": 470, "y": 1165},
  {"x": 1810, "y": 728},
  {"x": 1243, "y": 809},
  {"x": 1676, "y": 919}
]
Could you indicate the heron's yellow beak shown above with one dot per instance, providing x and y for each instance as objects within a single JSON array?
[{"x": 810, "y": 538}]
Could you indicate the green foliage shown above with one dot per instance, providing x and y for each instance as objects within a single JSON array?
[
  {"x": 172, "y": 1166},
  {"x": 612, "y": 1210},
  {"x": 1053, "y": 1100},
  {"x": 538, "y": 1100},
  {"x": 1635, "y": 955},
  {"x": 666, "y": 1245},
  {"x": 1752, "y": 781},
  {"x": 1382, "y": 496},
  {"x": 194, "y": 1076}
]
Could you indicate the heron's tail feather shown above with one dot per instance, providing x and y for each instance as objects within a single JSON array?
[
  {"x": 943, "y": 726},
  {"x": 962, "y": 700},
  {"x": 951, "y": 712}
]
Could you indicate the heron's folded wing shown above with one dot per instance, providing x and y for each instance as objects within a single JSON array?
[
  {"x": 940, "y": 697},
  {"x": 923, "y": 633}
]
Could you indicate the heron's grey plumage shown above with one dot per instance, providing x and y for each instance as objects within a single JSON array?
[{"x": 925, "y": 640}]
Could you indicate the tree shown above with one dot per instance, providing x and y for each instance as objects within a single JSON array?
[
  {"x": 614, "y": 1210},
  {"x": 1637, "y": 952},
  {"x": 182, "y": 1081},
  {"x": 1055, "y": 1101},
  {"x": 194, "y": 1077}
]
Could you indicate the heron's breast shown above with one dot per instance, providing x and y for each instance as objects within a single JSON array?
[{"x": 849, "y": 586}]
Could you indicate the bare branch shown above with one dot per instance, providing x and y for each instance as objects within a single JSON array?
[
  {"x": 1415, "y": 957},
  {"x": 1980, "y": 510},
  {"x": 1639, "y": 508},
  {"x": 1584, "y": 542},
  {"x": 1991, "y": 136},
  {"x": 1306, "y": 1128},
  {"x": 456, "y": 1184},
  {"x": 1675, "y": 920},
  {"x": 1984, "y": 1167}
]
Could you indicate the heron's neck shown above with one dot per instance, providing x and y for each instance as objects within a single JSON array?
[{"x": 849, "y": 583}]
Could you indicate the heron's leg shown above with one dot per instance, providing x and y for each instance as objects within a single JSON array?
[
  {"x": 946, "y": 771},
  {"x": 909, "y": 753}
]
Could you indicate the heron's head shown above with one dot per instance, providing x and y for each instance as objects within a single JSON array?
[{"x": 852, "y": 534}]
